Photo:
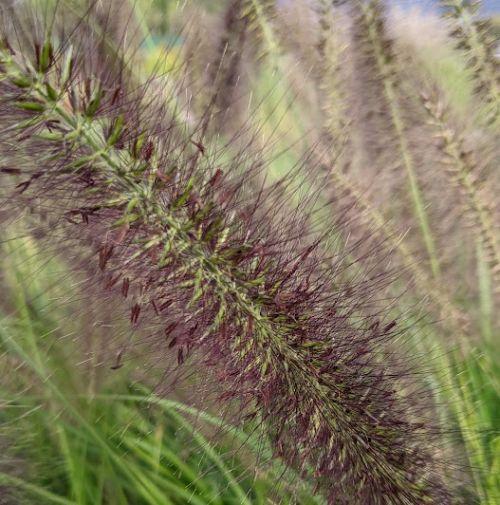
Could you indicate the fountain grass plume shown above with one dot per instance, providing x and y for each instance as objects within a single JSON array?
[
  {"x": 462, "y": 167},
  {"x": 331, "y": 51},
  {"x": 240, "y": 281},
  {"x": 379, "y": 49},
  {"x": 239, "y": 45},
  {"x": 225, "y": 71},
  {"x": 474, "y": 37}
]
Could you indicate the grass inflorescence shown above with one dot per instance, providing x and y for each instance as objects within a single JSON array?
[
  {"x": 260, "y": 304},
  {"x": 277, "y": 268}
]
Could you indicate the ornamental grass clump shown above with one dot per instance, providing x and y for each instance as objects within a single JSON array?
[{"x": 236, "y": 271}]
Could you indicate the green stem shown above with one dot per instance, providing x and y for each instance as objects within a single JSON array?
[{"x": 400, "y": 127}]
